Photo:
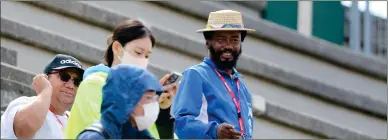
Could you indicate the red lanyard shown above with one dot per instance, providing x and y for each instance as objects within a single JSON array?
[
  {"x": 237, "y": 103},
  {"x": 58, "y": 120}
]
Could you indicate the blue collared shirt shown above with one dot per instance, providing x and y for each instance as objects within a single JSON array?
[{"x": 202, "y": 102}]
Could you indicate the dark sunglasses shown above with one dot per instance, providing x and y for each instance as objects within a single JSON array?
[{"x": 66, "y": 77}]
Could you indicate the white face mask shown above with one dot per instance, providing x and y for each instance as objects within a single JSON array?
[
  {"x": 129, "y": 59},
  {"x": 151, "y": 112}
]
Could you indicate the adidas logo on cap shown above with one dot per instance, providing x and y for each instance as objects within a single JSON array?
[{"x": 71, "y": 62}]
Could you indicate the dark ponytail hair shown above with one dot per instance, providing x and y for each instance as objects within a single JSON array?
[{"x": 125, "y": 32}]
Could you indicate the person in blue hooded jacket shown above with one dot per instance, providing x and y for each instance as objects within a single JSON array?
[
  {"x": 129, "y": 105},
  {"x": 212, "y": 101}
]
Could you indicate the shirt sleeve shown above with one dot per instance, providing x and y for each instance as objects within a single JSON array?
[
  {"x": 165, "y": 124},
  {"x": 186, "y": 108},
  {"x": 7, "y": 118}
]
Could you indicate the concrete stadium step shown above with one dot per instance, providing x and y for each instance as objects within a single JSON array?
[
  {"x": 27, "y": 61},
  {"x": 300, "y": 64},
  {"x": 11, "y": 90},
  {"x": 268, "y": 129},
  {"x": 62, "y": 25},
  {"x": 115, "y": 18},
  {"x": 8, "y": 56},
  {"x": 296, "y": 121},
  {"x": 254, "y": 5}
]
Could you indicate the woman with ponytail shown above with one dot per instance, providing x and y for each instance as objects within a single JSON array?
[{"x": 131, "y": 43}]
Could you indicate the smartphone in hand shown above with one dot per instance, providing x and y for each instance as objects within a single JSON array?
[{"x": 173, "y": 78}]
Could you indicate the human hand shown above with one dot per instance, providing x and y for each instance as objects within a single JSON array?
[
  {"x": 40, "y": 82},
  {"x": 165, "y": 99},
  {"x": 227, "y": 131}
]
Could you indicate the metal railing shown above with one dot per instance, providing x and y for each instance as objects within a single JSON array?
[{"x": 367, "y": 33}]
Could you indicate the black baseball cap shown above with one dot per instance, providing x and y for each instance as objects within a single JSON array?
[{"x": 61, "y": 61}]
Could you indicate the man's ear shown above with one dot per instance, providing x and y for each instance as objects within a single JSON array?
[
  {"x": 116, "y": 48},
  {"x": 208, "y": 44}
]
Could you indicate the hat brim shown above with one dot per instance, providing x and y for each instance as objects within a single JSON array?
[
  {"x": 81, "y": 71},
  {"x": 226, "y": 29}
]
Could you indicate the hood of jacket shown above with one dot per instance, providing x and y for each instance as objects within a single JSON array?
[
  {"x": 94, "y": 69},
  {"x": 123, "y": 89}
]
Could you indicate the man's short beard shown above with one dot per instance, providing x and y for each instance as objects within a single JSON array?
[{"x": 216, "y": 57}]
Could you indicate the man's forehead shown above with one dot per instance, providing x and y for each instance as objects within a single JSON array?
[{"x": 227, "y": 33}]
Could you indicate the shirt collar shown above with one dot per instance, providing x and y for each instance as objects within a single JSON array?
[{"x": 213, "y": 65}]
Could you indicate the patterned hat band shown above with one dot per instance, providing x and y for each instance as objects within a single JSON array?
[{"x": 220, "y": 26}]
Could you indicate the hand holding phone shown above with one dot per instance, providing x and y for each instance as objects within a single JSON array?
[{"x": 170, "y": 87}]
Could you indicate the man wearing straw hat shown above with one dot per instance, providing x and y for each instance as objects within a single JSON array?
[{"x": 212, "y": 101}]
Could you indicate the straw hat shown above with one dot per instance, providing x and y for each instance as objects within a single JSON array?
[{"x": 225, "y": 20}]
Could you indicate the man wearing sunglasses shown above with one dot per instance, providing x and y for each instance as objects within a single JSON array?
[{"x": 44, "y": 115}]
